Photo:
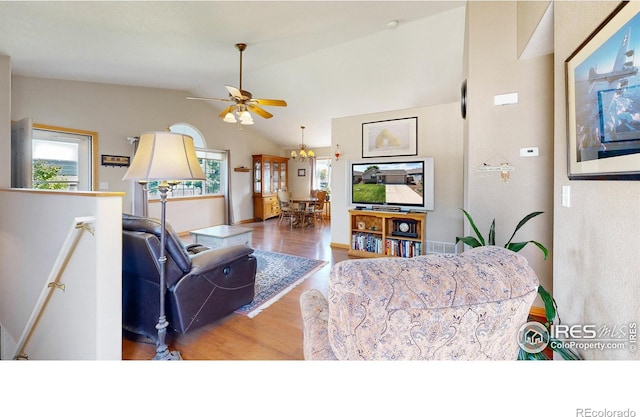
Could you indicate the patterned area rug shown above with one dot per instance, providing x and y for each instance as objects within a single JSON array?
[{"x": 277, "y": 274}]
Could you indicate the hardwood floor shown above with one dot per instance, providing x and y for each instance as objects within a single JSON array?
[{"x": 275, "y": 333}]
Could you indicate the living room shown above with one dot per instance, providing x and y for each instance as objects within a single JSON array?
[{"x": 591, "y": 271}]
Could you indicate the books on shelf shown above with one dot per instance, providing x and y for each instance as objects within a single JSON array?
[
  {"x": 403, "y": 248},
  {"x": 391, "y": 247},
  {"x": 366, "y": 242}
]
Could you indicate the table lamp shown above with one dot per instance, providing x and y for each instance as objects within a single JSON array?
[{"x": 169, "y": 158}]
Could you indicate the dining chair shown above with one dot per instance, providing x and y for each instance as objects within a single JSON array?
[
  {"x": 318, "y": 207},
  {"x": 286, "y": 208}
]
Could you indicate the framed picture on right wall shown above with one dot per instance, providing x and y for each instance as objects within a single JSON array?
[{"x": 603, "y": 100}]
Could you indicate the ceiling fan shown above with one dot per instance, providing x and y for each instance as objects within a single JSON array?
[{"x": 243, "y": 100}]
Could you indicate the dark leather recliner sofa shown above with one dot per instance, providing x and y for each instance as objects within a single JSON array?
[{"x": 203, "y": 284}]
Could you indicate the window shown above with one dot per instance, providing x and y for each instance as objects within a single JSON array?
[
  {"x": 322, "y": 174},
  {"x": 63, "y": 159},
  {"x": 213, "y": 163}
]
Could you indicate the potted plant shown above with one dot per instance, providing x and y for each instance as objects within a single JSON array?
[{"x": 550, "y": 306}]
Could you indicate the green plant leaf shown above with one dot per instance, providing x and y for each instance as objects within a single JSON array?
[
  {"x": 469, "y": 240},
  {"x": 492, "y": 233},
  {"x": 475, "y": 229},
  {"x": 517, "y": 246},
  {"x": 522, "y": 223},
  {"x": 542, "y": 248},
  {"x": 549, "y": 305}
]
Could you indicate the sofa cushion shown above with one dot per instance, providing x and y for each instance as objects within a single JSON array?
[{"x": 430, "y": 307}]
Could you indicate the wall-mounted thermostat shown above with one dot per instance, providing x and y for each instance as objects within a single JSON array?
[{"x": 529, "y": 151}]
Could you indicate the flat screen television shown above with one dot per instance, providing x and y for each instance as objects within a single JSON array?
[{"x": 404, "y": 184}]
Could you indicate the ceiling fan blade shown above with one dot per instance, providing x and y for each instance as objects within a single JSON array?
[
  {"x": 208, "y": 98},
  {"x": 233, "y": 91},
  {"x": 261, "y": 112},
  {"x": 269, "y": 102},
  {"x": 227, "y": 110},
  {"x": 237, "y": 93}
]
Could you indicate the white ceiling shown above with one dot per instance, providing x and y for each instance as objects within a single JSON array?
[{"x": 326, "y": 59}]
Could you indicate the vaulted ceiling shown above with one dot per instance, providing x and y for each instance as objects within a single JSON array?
[{"x": 326, "y": 59}]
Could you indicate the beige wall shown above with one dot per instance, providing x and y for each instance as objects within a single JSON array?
[
  {"x": 530, "y": 15},
  {"x": 116, "y": 112},
  {"x": 5, "y": 121},
  {"x": 439, "y": 136},
  {"x": 180, "y": 216},
  {"x": 495, "y": 134},
  {"x": 596, "y": 259}
]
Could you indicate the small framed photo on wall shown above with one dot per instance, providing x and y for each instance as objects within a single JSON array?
[{"x": 302, "y": 172}]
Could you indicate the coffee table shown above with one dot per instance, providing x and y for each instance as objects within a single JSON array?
[{"x": 222, "y": 236}]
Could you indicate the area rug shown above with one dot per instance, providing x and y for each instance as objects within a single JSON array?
[{"x": 276, "y": 275}]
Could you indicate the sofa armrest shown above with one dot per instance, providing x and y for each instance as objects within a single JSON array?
[
  {"x": 208, "y": 260},
  {"x": 194, "y": 248},
  {"x": 315, "y": 314}
]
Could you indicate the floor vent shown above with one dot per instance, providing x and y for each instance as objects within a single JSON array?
[{"x": 440, "y": 247}]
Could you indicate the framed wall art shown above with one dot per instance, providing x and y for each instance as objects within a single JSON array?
[
  {"x": 116, "y": 161},
  {"x": 397, "y": 137},
  {"x": 302, "y": 172},
  {"x": 603, "y": 100}
]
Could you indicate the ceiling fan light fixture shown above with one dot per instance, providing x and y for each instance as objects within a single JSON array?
[
  {"x": 244, "y": 101},
  {"x": 229, "y": 118},
  {"x": 245, "y": 118}
]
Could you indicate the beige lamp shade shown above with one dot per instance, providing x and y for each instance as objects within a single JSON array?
[{"x": 164, "y": 156}]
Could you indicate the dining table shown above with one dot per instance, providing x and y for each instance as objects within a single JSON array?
[{"x": 303, "y": 211}]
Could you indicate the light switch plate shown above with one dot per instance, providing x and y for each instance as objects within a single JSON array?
[{"x": 566, "y": 196}]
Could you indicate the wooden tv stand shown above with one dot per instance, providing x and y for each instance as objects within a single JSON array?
[{"x": 380, "y": 233}]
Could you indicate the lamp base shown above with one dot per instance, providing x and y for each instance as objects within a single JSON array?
[
  {"x": 167, "y": 355},
  {"x": 162, "y": 350}
]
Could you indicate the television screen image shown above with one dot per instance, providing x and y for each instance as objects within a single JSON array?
[{"x": 408, "y": 184}]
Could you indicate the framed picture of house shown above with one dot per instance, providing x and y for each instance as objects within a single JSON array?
[
  {"x": 397, "y": 137},
  {"x": 603, "y": 100}
]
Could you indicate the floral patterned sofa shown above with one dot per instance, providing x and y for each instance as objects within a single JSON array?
[{"x": 436, "y": 307}]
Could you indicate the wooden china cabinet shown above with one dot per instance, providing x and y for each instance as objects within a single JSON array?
[{"x": 269, "y": 176}]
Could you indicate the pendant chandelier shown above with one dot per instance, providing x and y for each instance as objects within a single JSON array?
[{"x": 303, "y": 154}]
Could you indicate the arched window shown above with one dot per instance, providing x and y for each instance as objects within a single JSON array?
[
  {"x": 185, "y": 129},
  {"x": 213, "y": 163}
]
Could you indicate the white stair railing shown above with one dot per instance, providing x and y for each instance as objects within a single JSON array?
[{"x": 79, "y": 225}]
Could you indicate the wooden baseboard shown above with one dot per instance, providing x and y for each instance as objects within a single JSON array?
[{"x": 339, "y": 245}]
